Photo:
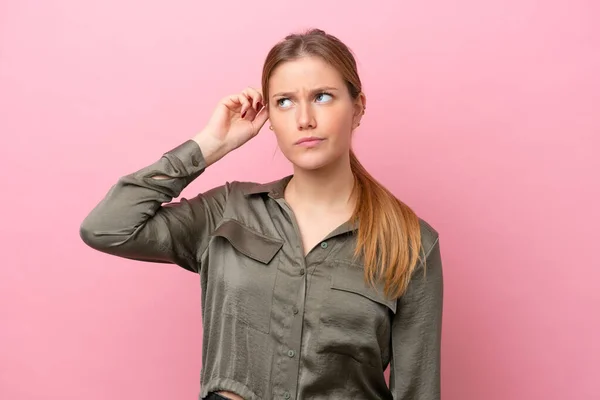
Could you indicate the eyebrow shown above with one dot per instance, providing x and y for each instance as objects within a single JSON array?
[{"x": 312, "y": 92}]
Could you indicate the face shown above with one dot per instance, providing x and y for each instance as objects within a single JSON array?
[{"x": 312, "y": 113}]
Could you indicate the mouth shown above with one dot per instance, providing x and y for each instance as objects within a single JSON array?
[{"x": 309, "y": 141}]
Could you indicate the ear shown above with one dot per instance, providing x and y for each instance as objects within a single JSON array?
[{"x": 359, "y": 107}]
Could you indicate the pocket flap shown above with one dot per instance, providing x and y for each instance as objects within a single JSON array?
[
  {"x": 350, "y": 278},
  {"x": 249, "y": 242}
]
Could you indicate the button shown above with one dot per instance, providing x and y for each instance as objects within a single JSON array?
[
  {"x": 291, "y": 353},
  {"x": 287, "y": 395},
  {"x": 295, "y": 310},
  {"x": 324, "y": 245},
  {"x": 195, "y": 161},
  {"x": 302, "y": 271}
]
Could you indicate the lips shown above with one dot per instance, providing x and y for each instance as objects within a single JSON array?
[{"x": 308, "y": 140}]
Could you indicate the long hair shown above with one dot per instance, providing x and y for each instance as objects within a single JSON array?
[{"x": 389, "y": 235}]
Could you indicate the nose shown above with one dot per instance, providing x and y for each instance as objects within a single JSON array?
[{"x": 305, "y": 117}]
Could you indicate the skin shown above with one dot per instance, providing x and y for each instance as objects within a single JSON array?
[{"x": 307, "y": 98}]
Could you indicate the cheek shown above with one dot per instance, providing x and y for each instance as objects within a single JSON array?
[
  {"x": 284, "y": 128},
  {"x": 284, "y": 139},
  {"x": 338, "y": 127}
]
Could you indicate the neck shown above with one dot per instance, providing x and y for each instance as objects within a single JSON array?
[{"x": 325, "y": 188}]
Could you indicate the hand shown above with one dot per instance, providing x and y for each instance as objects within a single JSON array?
[{"x": 236, "y": 119}]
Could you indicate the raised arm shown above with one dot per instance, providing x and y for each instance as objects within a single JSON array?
[{"x": 137, "y": 220}]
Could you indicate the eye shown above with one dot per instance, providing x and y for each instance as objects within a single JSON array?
[
  {"x": 281, "y": 102},
  {"x": 324, "y": 97}
]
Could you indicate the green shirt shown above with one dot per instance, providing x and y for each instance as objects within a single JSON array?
[{"x": 277, "y": 324}]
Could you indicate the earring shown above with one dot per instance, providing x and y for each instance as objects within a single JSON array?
[{"x": 271, "y": 127}]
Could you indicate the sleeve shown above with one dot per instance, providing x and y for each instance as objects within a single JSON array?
[
  {"x": 416, "y": 333},
  {"x": 132, "y": 220}
]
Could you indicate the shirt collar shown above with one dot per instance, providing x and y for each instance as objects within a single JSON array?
[{"x": 274, "y": 189}]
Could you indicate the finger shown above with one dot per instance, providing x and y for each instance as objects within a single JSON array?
[
  {"x": 249, "y": 114},
  {"x": 236, "y": 103},
  {"x": 255, "y": 96},
  {"x": 232, "y": 102},
  {"x": 247, "y": 93},
  {"x": 261, "y": 118},
  {"x": 246, "y": 105},
  {"x": 259, "y": 99}
]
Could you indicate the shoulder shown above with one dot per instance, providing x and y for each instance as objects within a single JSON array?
[{"x": 429, "y": 236}]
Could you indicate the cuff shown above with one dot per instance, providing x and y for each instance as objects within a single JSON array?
[{"x": 189, "y": 155}]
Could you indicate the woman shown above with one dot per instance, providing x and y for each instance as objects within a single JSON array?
[{"x": 312, "y": 284}]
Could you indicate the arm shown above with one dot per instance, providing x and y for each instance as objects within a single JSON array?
[
  {"x": 132, "y": 222},
  {"x": 416, "y": 334}
]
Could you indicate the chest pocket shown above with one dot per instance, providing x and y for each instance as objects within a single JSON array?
[
  {"x": 249, "y": 264},
  {"x": 355, "y": 318}
]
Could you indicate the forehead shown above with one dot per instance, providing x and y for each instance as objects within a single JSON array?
[{"x": 304, "y": 73}]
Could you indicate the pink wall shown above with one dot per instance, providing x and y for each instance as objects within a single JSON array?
[{"x": 483, "y": 115}]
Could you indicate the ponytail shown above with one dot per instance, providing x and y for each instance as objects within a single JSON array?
[{"x": 389, "y": 234}]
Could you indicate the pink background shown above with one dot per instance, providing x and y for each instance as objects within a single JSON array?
[{"x": 483, "y": 116}]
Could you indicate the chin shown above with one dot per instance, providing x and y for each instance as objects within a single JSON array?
[{"x": 311, "y": 161}]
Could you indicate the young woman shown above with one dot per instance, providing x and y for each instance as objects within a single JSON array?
[{"x": 312, "y": 284}]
